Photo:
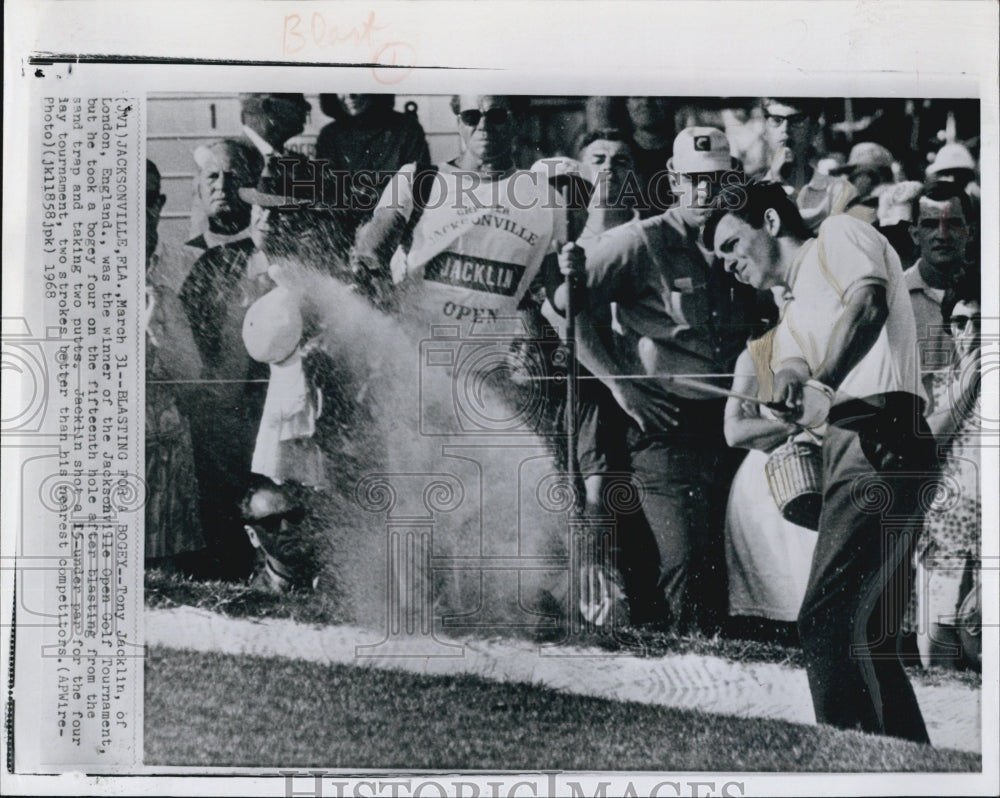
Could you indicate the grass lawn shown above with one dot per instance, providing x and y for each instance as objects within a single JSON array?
[
  {"x": 217, "y": 709},
  {"x": 166, "y": 590}
]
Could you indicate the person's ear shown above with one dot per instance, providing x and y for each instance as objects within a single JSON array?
[
  {"x": 772, "y": 222},
  {"x": 252, "y": 534},
  {"x": 675, "y": 181},
  {"x": 915, "y": 234}
]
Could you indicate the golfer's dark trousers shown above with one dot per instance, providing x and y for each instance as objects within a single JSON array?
[{"x": 876, "y": 474}]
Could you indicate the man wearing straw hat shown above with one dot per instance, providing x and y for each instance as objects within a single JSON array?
[
  {"x": 681, "y": 317},
  {"x": 844, "y": 353}
]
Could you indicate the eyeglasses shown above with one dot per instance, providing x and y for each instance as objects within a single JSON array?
[
  {"x": 961, "y": 322},
  {"x": 494, "y": 116},
  {"x": 794, "y": 120},
  {"x": 271, "y": 524}
]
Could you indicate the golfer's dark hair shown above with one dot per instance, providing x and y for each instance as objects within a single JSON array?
[
  {"x": 749, "y": 201},
  {"x": 944, "y": 191},
  {"x": 965, "y": 288}
]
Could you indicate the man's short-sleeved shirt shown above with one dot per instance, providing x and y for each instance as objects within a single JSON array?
[
  {"x": 846, "y": 255},
  {"x": 934, "y": 344},
  {"x": 668, "y": 291},
  {"x": 477, "y": 246}
]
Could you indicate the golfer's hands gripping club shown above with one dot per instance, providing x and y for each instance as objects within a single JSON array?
[{"x": 805, "y": 402}]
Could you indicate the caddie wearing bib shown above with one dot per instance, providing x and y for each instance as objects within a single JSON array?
[
  {"x": 465, "y": 239},
  {"x": 845, "y": 353},
  {"x": 458, "y": 250}
]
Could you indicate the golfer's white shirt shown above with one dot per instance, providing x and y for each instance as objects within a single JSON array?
[{"x": 846, "y": 255}]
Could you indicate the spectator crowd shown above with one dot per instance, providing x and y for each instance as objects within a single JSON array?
[{"x": 742, "y": 296}]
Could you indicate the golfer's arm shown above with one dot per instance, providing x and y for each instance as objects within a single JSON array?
[
  {"x": 854, "y": 334},
  {"x": 745, "y": 430}
]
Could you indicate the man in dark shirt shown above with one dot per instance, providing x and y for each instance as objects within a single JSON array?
[{"x": 680, "y": 315}]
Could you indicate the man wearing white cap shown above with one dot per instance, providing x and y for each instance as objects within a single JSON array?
[
  {"x": 679, "y": 316},
  {"x": 953, "y": 162}
]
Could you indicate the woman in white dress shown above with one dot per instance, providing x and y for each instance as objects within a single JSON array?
[{"x": 768, "y": 558}]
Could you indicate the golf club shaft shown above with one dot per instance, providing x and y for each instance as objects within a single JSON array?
[
  {"x": 698, "y": 385},
  {"x": 574, "y": 227},
  {"x": 707, "y": 387}
]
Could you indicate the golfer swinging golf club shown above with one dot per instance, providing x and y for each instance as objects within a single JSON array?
[{"x": 845, "y": 352}]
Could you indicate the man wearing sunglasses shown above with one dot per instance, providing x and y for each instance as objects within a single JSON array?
[
  {"x": 790, "y": 127},
  {"x": 464, "y": 240},
  {"x": 275, "y": 520},
  {"x": 941, "y": 232}
]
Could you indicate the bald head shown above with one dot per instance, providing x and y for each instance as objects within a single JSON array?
[{"x": 224, "y": 167}]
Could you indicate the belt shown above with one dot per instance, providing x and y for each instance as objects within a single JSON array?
[{"x": 856, "y": 413}]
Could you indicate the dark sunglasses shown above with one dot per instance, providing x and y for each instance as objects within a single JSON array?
[
  {"x": 494, "y": 116},
  {"x": 271, "y": 524},
  {"x": 961, "y": 322},
  {"x": 794, "y": 120}
]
